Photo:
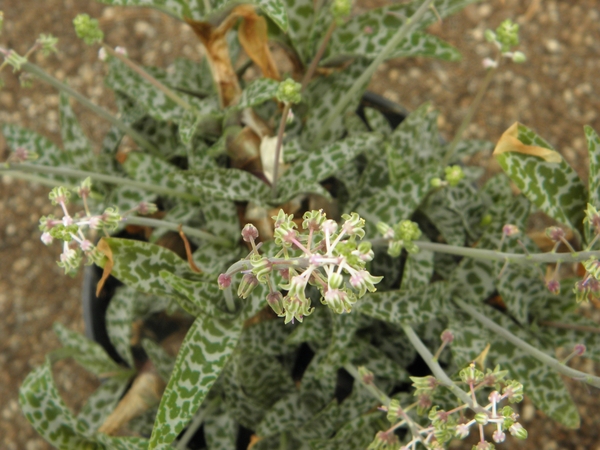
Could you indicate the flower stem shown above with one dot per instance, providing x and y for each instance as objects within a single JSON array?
[
  {"x": 435, "y": 368},
  {"x": 149, "y": 78},
  {"x": 157, "y": 223},
  {"x": 364, "y": 78},
  {"x": 66, "y": 171},
  {"x": 527, "y": 348},
  {"x": 136, "y": 136},
  {"x": 469, "y": 116},
  {"x": 315, "y": 62},
  {"x": 495, "y": 255}
]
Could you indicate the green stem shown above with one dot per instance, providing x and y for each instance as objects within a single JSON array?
[
  {"x": 495, "y": 255},
  {"x": 374, "y": 390},
  {"x": 136, "y": 136},
  {"x": 527, "y": 348},
  {"x": 435, "y": 368},
  {"x": 149, "y": 78},
  {"x": 76, "y": 173},
  {"x": 364, "y": 78},
  {"x": 469, "y": 116},
  {"x": 157, "y": 223},
  {"x": 315, "y": 62}
]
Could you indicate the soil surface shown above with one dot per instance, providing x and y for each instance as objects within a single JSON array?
[{"x": 556, "y": 92}]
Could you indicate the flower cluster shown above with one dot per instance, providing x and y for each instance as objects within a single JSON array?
[
  {"x": 324, "y": 254},
  {"x": 70, "y": 228},
  {"x": 505, "y": 38},
  {"x": 400, "y": 236}
]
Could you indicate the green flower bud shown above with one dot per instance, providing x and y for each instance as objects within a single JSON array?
[
  {"x": 111, "y": 219},
  {"x": 247, "y": 285},
  {"x": 454, "y": 174},
  {"x": 436, "y": 182},
  {"x": 411, "y": 248},
  {"x": 289, "y": 92},
  {"x": 385, "y": 230},
  {"x": 335, "y": 280},
  {"x": 394, "y": 411},
  {"x": 70, "y": 260},
  {"x": 481, "y": 418},
  {"x": 261, "y": 267},
  {"x": 88, "y": 29},
  {"x": 313, "y": 220},
  {"x": 519, "y": 57},
  {"x": 471, "y": 375},
  {"x": 340, "y": 9},
  {"x": 486, "y": 220},
  {"x": 514, "y": 389},
  {"x": 507, "y": 35},
  {"x": 407, "y": 230},
  {"x": 64, "y": 232},
  {"x": 275, "y": 301},
  {"x": 518, "y": 431}
]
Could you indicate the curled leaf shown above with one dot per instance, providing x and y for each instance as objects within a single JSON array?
[
  {"x": 105, "y": 249},
  {"x": 509, "y": 142}
]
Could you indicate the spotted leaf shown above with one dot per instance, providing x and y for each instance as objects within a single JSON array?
[
  {"x": 257, "y": 92},
  {"x": 75, "y": 143},
  {"x": 100, "y": 404},
  {"x": 45, "y": 410},
  {"x": 163, "y": 362},
  {"x": 317, "y": 166},
  {"x": 203, "y": 354},
  {"x": 123, "y": 442},
  {"x": 228, "y": 184},
  {"x": 593, "y": 144},
  {"x": 551, "y": 184},
  {"x": 406, "y": 307}
]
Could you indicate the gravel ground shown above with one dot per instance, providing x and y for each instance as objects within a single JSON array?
[{"x": 555, "y": 93}]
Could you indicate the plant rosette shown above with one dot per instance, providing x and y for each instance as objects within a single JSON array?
[{"x": 364, "y": 247}]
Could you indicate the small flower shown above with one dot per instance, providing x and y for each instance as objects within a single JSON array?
[
  {"x": 366, "y": 376},
  {"x": 579, "y": 349},
  {"x": 111, "y": 219},
  {"x": 553, "y": 286},
  {"x": 407, "y": 230},
  {"x": 363, "y": 281},
  {"x": 513, "y": 391},
  {"x": 84, "y": 189},
  {"x": 592, "y": 266},
  {"x": 47, "y": 238},
  {"x": 86, "y": 246},
  {"x": 447, "y": 336},
  {"x": 592, "y": 217},
  {"x": 88, "y": 29},
  {"x": 462, "y": 431},
  {"x": 59, "y": 195},
  {"x": 556, "y": 234},
  {"x": 48, "y": 43},
  {"x": 484, "y": 445},
  {"x": 489, "y": 63},
  {"x": 394, "y": 411},
  {"x": 147, "y": 208},
  {"x": 102, "y": 55},
  {"x": 312, "y": 220},
  {"x": 14, "y": 60},
  {"x": 354, "y": 225},
  {"x": 70, "y": 260},
  {"x": 482, "y": 418},
  {"x": 249, "y": 233},
  {"x": 121, "y": 50},
  {"x": 498, "y": 436},
  {"x": 289, "y": 91},
  {"x": 510, "y": 230},
  {"x": 224, "y": 281},
  {"x": 261, "y": 267}
]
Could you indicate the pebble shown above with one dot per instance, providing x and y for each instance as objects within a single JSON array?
[{"x": 552, "y": 45}]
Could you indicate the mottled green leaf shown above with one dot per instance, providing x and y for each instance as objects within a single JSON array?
[
  {"x": 138, "y": 264},
  {"x": 406, "y": 307},
  {"x": 377, "y": 121},
  {"x": 415, "y": 143},
  {"x": 276, "y": 10},
  {"x": 554, "y": 187},
  {"x": 469, "y": 147},
  {"x": 520, "y": 287},
  {"x": 100, "y": 404},
  {"x": 257, "y": 92},
  {"x": 268, "y": 337},
  {"x": 75, "y": 143},
  {"x": 418, "y": 270},
  {"x": 87, "y": 353},
  {"x": 48, "y": 153},
  {"x": 45, "y": 410},
  {"x": 301, "y": 15},
  {"x": 227, "y": 184},
  {"x": 317, "y": 166},
  {"x": 322, "y": 95},
  {"x": 150, "y": 169},
  {"x": 220, "y": 431},
  {"x": 163, "y": 362},
  {"x": 359, "y": 431},
  {"x": 123, "y": 442},
  {"x": 202, "y": 356},
  {"x": 593, "y": 144}
]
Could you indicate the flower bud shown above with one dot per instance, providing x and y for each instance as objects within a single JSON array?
[
  {"x": 289, "y": 92},
  {"x": 70, "y": 260},
  {"x": 47, "y": 238},
  {"x": 59, "y": 195},
  {"x": 14, "y": 60},
  {"x": 592, "y": 266},
  {"x": 462, "y": 431},
  {"x": 447, "y": 336},
  {"x": 335, "y": 280},
  {"x": 385, "y": 230},
  {"x": 486, "y": 220},
  {"x": 553, "y": 286},
  {"x": 518, "y": 431},
  {"x": 556, "y": 234},
  {"x": 88, "y": 29},
  {"x": 498, "y": 436},
  {"x": 85, "y": 188},
  {"x": 394, "y": 248},
  {"x": 249, "y": 233},
  {"x": 247, "y": 285},
  {"x": 224, "y": 281},
  {"x": 48, "y": 43},
  {"x": 592, "y": 217},
  {"x": 366, "y": 376},
  {"x": 489, "y": 63},
  {"x": 436, "y": 182},
  {"x": 312, "y": 220},
  {"x": 261, "y": 267},
  {"x": 454, "y": 174},
  {"x": 510, "y": 230},
  {"x": 490, "y": 36},
  {"x": 275, "y": 301},
  {"x": 507, "y": 35},
  {"x": 519, "y": 57},
  {"x": 579, "y": 349},
  {"x": 481, "y": 418},
  {"x": 394, "y": 411},
  {"x": 147, "y": 208},
  {"x": 514, "y": 391},
  {"x": 340, "y": 9},
  {"x": 407, "y": 230},
  {"x": 111, "y": 219}
]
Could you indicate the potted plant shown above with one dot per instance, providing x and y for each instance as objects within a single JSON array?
[{"x": 364, "y": 252}]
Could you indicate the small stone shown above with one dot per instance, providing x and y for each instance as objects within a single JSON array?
[
  {"x": 11, "y": 229},
  {"x": 552, "y": 45}
]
